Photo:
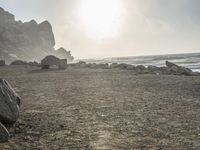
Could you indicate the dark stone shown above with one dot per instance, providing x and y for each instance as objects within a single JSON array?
[
  {"x": 185, "y": 71},
  {"x": 121, "y": 66},
  {"x": 165, "y": 70},
  {"x": 9, "y": 103},
  {"x": 114, "y": 65},
  {"x": 51, "y": 60},
  {"x": 153, "y": 68},
  {"x": 2, "y": 63},
  {"x": 19, "y": 62},
  {"x": 178, "y": 70},
  {"x": 45, "y": 67},
  {"x": 91, "y": 65},
  {"x": 4, "y": 134},
  {"x": 170, "y": 64},
  {"x": 102, "y": 66},
  {"x": 140, "y": 67},
  {"x": 130, "y": 67}
]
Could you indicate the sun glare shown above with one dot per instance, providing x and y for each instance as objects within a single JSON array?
[{"x": 101, "y": 18}]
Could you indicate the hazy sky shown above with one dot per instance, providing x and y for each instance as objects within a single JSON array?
[{"x": 104, "y": 28}]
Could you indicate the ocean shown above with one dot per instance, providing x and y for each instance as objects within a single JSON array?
[{"x": 191, "y": 60}]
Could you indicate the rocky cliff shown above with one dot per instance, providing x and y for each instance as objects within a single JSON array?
[{"x": 27, "y": 41}]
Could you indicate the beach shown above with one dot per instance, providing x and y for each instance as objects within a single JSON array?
[{"x": 103, "y": 109}]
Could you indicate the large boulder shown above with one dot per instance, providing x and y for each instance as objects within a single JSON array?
[
  {"x": 49, "y": 61},
  {"x": 9, "y": 103},
  {"x": 140, "y": 68},
  {"x": 4, "y": 134},
  {"x": 170, "y": 64},
  {"x": 178, "y": 70}
]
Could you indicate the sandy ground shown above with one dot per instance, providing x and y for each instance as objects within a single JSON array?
[{"x": 103, "y": 109}]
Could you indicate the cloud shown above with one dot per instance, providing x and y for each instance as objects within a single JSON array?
[{"x": 149, "y": 26}]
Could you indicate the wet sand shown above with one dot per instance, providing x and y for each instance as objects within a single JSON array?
[{"x": 103, "y": 109}]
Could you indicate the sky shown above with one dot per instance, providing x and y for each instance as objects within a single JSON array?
[{"x": 115, "y": 28}]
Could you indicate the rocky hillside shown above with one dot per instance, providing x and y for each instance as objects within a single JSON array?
[{"x": 27, "y": 41}]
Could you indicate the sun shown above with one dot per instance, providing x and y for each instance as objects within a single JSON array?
[{"x": 101, "y": 18}]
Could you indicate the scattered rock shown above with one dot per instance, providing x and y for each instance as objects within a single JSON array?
[{"x": 169, "y": 69}]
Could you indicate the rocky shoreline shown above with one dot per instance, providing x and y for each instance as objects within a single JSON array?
[{"x": 170, "y": 68}]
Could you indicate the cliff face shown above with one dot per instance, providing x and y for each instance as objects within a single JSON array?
[{"x": 27, "y": 41}]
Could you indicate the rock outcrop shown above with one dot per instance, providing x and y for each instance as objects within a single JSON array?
[
  {"x": 27, "y": 41},
  {"x": 51, "y": 60},
  {"x": 179, "y": 70}
]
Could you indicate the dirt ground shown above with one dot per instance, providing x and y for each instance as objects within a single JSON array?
[{"x": 103, "y": 109}]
